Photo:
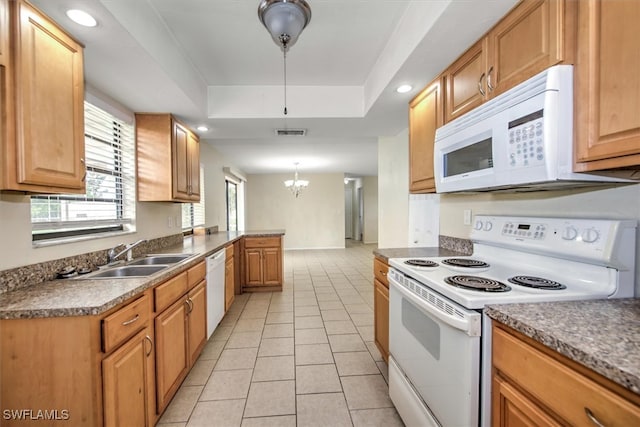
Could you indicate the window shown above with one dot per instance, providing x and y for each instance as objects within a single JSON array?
[
  {"x": 232, "y": 205},
  {"x": 109, "y": 202},
  {"x": 193, "y": 213}
]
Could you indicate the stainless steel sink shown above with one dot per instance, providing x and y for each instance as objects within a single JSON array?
[
  {"x": 127, "y": 271},
  {"x": 161, "y": 259}
]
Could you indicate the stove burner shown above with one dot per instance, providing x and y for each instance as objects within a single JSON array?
[
  {"x": 475, "y": 283},
  {"x": 421, "y": 263},
  {"x": 465, "y": 262},
  {"x": 536, "y": 282}
]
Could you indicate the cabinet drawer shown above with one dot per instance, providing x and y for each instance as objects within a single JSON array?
[
  {"x": 380, "y": 270},
  {"x": 262, "y": 242},
  {"x": 229, "y": 252},
  {"x": 568, "y": 393},
  {"x": 124, "y": 323},
  {"x": 196, "y": 274},
  {"x": 170, "y": 291}
]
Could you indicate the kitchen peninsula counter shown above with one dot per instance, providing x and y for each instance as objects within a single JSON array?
[
  {"x": 603, "y": 335},
  {"x": 86, "y": 296}
]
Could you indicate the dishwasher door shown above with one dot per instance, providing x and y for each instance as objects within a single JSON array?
[{"x": 215, "y": 290}]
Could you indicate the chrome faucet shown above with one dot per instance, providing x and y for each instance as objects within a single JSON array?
[{"x": 112, "y": 255}]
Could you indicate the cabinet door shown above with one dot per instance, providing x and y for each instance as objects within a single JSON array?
[
  {"x": 466, "y": 81},
  {"x": 197, "y": 320},
  {"x": 271, "y": 260},
  {"x": 512, "y": 409},
  {"x": 180, "y": 143},
  {"x": 527, "y": 41},
  {"x": 425, "y": 116},
  {"x": 229, "y": 284},
  {"x": 4, "y": 35},
  {"x": 381, "y": 317},
  {"x": 607, "y": 83},
  {"x": 127, "y": 377},
  {"x": 194, "y": 167},
  {"x": 49, "y": 115},
  {"x": 253, "y": 266},
  {"x": 172, "y": 361}
]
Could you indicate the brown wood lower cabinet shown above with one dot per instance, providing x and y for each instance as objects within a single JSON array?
[
  {"x": 128, "y": 383},
  {"x": 262, "y": 264},
  {"x": 172, "y": 362},
  {"x": 381, "y": 306},
  {"x": 229, "y": 278},
  {"x": 181, "y": 332},
  {"x": 381, "y": 310},
  {"x": 536, "y": 386}
]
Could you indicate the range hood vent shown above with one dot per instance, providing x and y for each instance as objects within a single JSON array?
[{"x": 291, "y": 132}]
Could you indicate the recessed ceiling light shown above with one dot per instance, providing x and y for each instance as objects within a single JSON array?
[
  {"x": 202, "y": 128},
  {"x": 81, "y": 17},
  {"x": 404, "y": 88}
]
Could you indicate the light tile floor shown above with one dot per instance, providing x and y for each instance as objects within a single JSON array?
[{"x": 301, "y": 357}]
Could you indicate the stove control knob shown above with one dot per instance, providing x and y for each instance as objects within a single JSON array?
[
  {"x": 570, "y": 233},
  {"x": 488, "y": 226},
  {"x": 478, "y": 225},
  {"x": 590, "y": 235}
]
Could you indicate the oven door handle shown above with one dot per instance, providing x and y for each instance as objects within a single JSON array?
[{"x": 469, "y": 324}]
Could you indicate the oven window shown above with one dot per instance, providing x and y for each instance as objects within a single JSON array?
[
  {"x": 470, "y": 158},
  {"x": 425, "y": 330}
]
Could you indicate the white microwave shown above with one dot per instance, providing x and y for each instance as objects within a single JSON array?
[{"x": 521, "y": 140}]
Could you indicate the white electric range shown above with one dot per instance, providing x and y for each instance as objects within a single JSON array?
[{"x": 439, "y": 341}]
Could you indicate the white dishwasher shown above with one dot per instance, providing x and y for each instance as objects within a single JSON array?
[{"x": 215, "y": 290}]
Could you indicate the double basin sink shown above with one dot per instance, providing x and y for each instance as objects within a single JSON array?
[{"x": 141, "y": 267}]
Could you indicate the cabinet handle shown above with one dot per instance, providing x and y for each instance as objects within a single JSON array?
[
  {"x": 84, "y": 177},
  {"x": 130, "y": 321},
  {"x": 383, "y": 273},
  {"x": 489, "y": 85},
  {"x": 482, "y": 92},
  {"x": 592, "y": 418},
  {"x": 189, "y": 303},
  {"x": 148, "y": 338}
]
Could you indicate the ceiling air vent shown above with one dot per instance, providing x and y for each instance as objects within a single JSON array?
[{"x": 291, "y": 132}]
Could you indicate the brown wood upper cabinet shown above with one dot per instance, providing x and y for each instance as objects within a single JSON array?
[
  {"x": 168, "y": 156},
  {"x": 42, "y": 98},
  {"x": 425, "y": 116},
  {"x": 607, "y": 85},
  {"x": 4, "y": 35},
  {"x": 535, "y": 35}
]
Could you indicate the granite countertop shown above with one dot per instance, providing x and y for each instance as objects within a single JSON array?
[
  {"x": 603, "y": 335},
  {"x": 84, "y": 297},
  {"x": 388, "y": 253}
]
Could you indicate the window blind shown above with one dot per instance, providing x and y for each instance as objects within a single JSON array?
[
  {"x": 109, "y": 202},
  {"x": 193, "y": 214}
]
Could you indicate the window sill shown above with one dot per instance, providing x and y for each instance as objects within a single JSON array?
[{"x": 75, "y": 239}]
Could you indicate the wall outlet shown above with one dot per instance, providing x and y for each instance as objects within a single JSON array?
[
  {"x": 169, "y": 222},
  {"x": 467, "y": 217}
]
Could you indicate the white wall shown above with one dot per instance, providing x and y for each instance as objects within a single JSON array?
[
  {"x": 370, "y": 221},
  {"x": 151, "y": 220},
  {"x": 313, "y": 220},
  {"x": 393, "y": 191}
]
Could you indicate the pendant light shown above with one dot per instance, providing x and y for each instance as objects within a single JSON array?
[
  {"x": 296, "y": 185},
  {"x": 285, "y": 20}
]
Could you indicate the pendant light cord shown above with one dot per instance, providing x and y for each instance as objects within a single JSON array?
[{"x": 285, "y": 81}]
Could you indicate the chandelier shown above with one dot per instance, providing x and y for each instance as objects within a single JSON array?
[
  {"x": 285, "y": 20},
  {"x": 296, "y": 185}
]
